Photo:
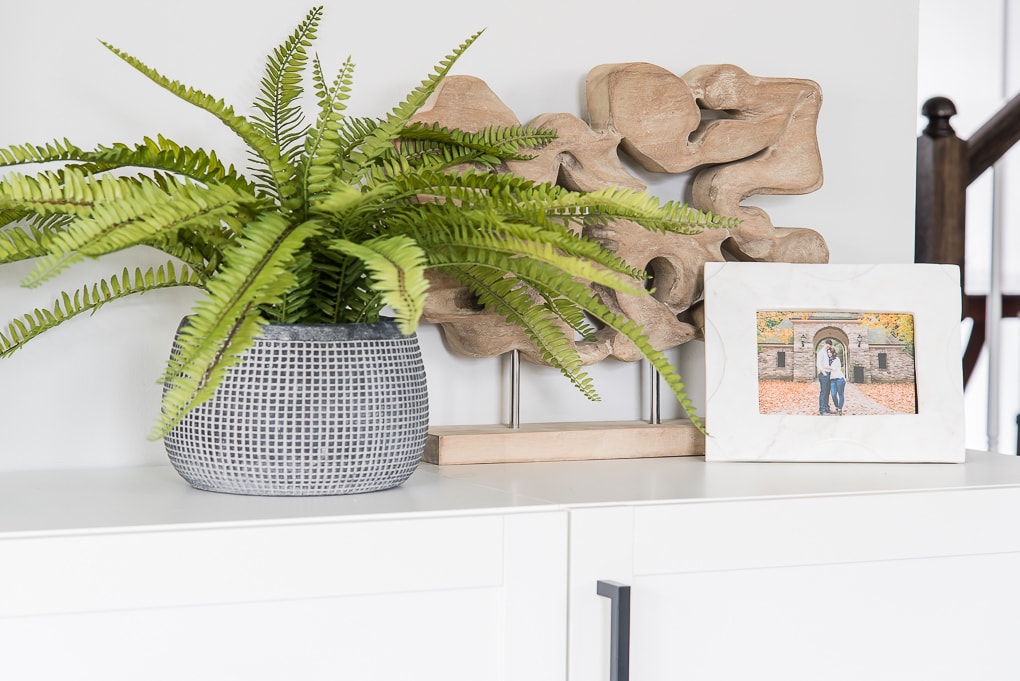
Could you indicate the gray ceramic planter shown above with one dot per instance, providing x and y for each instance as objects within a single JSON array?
[{"x": 311, "y": 410}]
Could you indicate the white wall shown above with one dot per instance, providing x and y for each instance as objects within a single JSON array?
[{"x": 85, "y": 395}]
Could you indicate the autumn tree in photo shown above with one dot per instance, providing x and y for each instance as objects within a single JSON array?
[
  {"x": 771, "y": 329},
  {"x": 899, "y": 326}
]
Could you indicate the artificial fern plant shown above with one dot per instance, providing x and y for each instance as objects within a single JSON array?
[{"x": 338, "y": 220}]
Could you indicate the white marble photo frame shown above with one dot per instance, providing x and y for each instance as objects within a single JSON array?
[{"x": 841, "y": 303}]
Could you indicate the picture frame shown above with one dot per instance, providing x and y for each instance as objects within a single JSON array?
[{"x": 894, "y": 327}]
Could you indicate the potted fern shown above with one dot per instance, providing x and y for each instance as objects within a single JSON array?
[{"x": 337, "y": 223}]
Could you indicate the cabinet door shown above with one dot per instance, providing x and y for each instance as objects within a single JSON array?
[
  {"x": 446, "y": 598},
  {"x": 890, "y": 586}
]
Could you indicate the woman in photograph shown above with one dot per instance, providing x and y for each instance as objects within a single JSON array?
[{"x": 837, "y": 380}]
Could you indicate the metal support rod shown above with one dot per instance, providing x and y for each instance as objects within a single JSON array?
[
  {"x": 619, "y": 641},
  {"x": 515, "y": 389},
  {"x": 654, "y": 399}
]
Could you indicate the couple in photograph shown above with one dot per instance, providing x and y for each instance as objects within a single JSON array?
[{"x": 831, "y": 379}]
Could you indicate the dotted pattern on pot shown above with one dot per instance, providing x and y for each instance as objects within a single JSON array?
[{"x": 302, "y": 418}]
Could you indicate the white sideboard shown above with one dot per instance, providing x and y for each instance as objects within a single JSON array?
[{"x": 736, "y": 570}]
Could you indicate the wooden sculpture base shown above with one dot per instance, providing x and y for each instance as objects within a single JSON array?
[{"x": 448, "y": 445}]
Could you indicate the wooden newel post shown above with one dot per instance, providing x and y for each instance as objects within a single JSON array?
[{"x": 942, "y": 179}]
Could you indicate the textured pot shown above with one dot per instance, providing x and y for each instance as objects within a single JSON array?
[{"x": 311, "y": 410}]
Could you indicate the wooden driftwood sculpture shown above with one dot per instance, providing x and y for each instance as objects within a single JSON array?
[{"x": 739, "y": 135}]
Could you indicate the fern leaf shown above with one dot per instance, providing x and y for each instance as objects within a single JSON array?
[
  {"x": 69, "y": 192},
  {"x": 540, "y": 202},
  {"x": 264, "y": 148},
  {"x": 342, "y": 292},
  {"x": 516, "y": 304},
  {"x": 397, "y": 265},
  {"x": 297, "y": 305},
  {"x": 457, "y": 232},
  {"x": 279, "y": 118},
  {"x": 658, "y": 361},
  {"x": 89, "y": 299},
  {"x": 58, "y": 150},
  {"x": 201, "y": 249},
  {"x": 256, "y": 271},
  {"x": 166, "y": 156},
  {"x": 21, "y": 243},
  {"x": 532, "y": 249},
  {"x": 585, "y": 300},
  {"x": 490, "y": 146},
  {"x": 323, "y": 146},
  {"x": 381, "y": 140},
  {"x": 132, "y": 222},
  {"x": 134, "y": 215}
]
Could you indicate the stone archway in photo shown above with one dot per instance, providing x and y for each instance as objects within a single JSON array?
[
  {"x": 869, "y": 355},
  {"x": 837, "y": 335}
]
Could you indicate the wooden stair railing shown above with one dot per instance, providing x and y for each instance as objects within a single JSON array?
[{"x": 946, "y": 166}]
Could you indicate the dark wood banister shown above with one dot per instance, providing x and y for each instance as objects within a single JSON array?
[
  {"x": 946, "y": 166},
  {"x": 993, "y": 139}
]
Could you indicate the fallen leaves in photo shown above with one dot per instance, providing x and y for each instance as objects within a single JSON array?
[
  {"x": 787, "y": 397},
  {"x": 791, "y": 397},
  {"x": 899, "y": 397}
]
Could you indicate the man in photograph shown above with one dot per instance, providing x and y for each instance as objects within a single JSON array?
[{"x": 822, "y": 364}]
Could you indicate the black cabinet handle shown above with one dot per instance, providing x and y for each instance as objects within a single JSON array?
[{"x": 619, "y": 646}]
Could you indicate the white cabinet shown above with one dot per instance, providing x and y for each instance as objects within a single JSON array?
[
  {"x": 489, "y": 572},
  {"x": 898, "y": 586},
  {"x": 792, "y": 571},
  {"x": 422, "y": 595}
]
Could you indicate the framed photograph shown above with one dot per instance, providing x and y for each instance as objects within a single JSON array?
[{"x": 833, "y": 363}]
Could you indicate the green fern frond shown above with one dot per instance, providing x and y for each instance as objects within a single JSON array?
[
  {"x": 24, "y": 154},
  {"x": 323, "y": 143},
  {"x": 496, "y": 226},
  {"x": 584, "y": 300},
  {"x": 141, "y": 212},
  {"x": 513, "y": 253},
  {"x": 517, "y": 305},
  {"x": 160, "y": 154},
  {"x": 397, "y": 265},
  {"x": 201, "y": 249},
  {"x": 256, "y": 272},
  {"x": 516, "y": 302},
  {"x": 167, "y": 156},
  {"x": 533, "y": 201},
  {"x": 22, "y": 242},
  {"x": 263, "y": 147},
  {"x": 617, "y": 203},
  {"x": 67, "y": 192},
  {"x": 571, "y": 314},
  {"x": 657, "y": 359},
  {"x": 342, "y": 293},
  {"x": 497, "y": 143},
  {"x": 133, "y": 222},
  {"x": 381, "y": 140},
  {"x": 280, "y": 119},
  {"x": 297, "y": 304},
  {"x": 90, "y": 298}
]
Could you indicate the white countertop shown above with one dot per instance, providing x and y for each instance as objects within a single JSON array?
[{"x": 155, "y": 497}]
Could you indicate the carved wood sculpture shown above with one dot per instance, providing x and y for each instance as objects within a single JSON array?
[
  {"x": 741, "y": 135},
  {"x": 737, "y": 134}
]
